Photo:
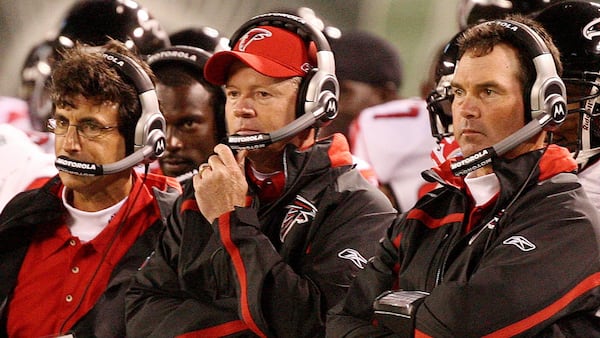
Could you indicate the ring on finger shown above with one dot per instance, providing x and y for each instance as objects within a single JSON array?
[{"x": 203, "y": 167}]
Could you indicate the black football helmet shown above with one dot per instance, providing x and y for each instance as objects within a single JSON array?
[
  {"x": 575, "y": 29},
  {"x": 203, "y": 37},
  {"x": 93, "y": 21},
  {"x": 440, "y": 99},
  {"x": 475, "y": 11}
]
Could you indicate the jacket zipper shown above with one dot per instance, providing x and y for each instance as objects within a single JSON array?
[{"x": 443, "y": 258}]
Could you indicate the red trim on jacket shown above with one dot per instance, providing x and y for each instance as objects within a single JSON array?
[
  {"x": 431, "y": 222},
  {"x": 38, "y": 183},
  {"x": 556, "y": 160},
  {"x": 238, "y": 264},
  {"x": 419, "y": 334},
  {"x": 586, "y": 285},
  {"x": 217, "y": 331},
  {"x": 339, "y": 152},
  {"x": 397, "y": 240}
]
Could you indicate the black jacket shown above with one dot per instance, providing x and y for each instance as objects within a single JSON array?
[
  {"x": 238, "y": 277},
  {"x": 536, "y": 272},
  {"x": 43, "y": 207}
]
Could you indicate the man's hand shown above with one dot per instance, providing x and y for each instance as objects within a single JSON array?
[{"x": 221, "y": 185}]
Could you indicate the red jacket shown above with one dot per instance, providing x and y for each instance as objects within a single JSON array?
[{"x": 38, "y": 209}]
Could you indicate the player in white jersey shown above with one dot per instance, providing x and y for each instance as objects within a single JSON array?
[
  {"x": 394, "y": 138},
  {"x": 25, "y": 162}
]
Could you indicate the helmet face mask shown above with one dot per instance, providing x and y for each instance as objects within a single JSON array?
[
  {"x": 439, "y": 101},
  {"x": 584, "y": 89},
  {"x": 584, "y": 105},
  {"x": 34, "y": 78}
]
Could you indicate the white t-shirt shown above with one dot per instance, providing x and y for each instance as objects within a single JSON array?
[
  {"x": 482, "y": 188},
  {"x": 87, "y": 225}
]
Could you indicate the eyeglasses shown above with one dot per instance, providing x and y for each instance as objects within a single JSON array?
[{"x": 87, "y": 129}]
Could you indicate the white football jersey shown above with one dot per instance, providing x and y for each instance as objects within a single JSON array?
[{"x": 395, "y": 138}]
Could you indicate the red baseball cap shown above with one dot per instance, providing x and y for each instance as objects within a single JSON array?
[{"x": 271, "y": 51}]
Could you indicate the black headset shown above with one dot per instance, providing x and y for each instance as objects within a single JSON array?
[
  {"x": 149, "y": 137},
  {"x": 547, "y": 98},
  {"x": 319, "y": 91},
  {"x": 195, "y": 58}
]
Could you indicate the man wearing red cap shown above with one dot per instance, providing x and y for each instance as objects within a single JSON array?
[{"x": 265, "y": 240}]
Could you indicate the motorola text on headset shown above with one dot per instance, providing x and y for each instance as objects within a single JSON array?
[
  {"x": 319, "y": 91},
  {"x": 547, "y": 99},
  {"x": 149, "y": 139}
]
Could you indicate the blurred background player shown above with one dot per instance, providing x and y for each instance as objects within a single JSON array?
[
  {"x": 193, "y": 108},
  {"x": 370, "y": 72},
  {"x": 575, "y": 29},
  {"x": 388, "y": 132},
  {"x": 203, "y": 37}
]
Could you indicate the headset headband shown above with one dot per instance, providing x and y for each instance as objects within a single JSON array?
[
  {"x": 548, "y": 92},
  {"x": 190, "y": 55}
]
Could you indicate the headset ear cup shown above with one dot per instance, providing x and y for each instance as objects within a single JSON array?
[
  {"x": 156, "y": 139},
  {"x": 318, "y": 94},
  {"x": 150, "y": 128},
  {"x": 326, "y": 87},
  {"x": 151, "y": 120},
  {"x": 328, "y": 100},
  {"x": 557, "y": 109}
]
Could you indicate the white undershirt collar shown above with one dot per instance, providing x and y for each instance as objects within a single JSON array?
[
  {"x": 87, "y": 225},
  {"x": 482, "y": 188}
]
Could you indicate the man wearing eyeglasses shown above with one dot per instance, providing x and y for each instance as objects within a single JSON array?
[{"x": 68, "y": 249}]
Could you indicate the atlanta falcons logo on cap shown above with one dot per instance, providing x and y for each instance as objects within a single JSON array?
[
  {"x": 254, "y": 34},
  {"x": 300, "y": 212}
]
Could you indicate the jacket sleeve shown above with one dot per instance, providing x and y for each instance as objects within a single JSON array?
[
  {"x": 278, "y": 300},
  {"x": 353, "y": 316},
  {"x": 156, "y": 304}
]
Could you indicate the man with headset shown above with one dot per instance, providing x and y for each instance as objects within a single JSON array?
[
  {"x": 265, "y": 240},
  {"x": 69, "y": 248},
  {"x": 512, "y": 248},
  {"x": 193, "y": 108}
]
